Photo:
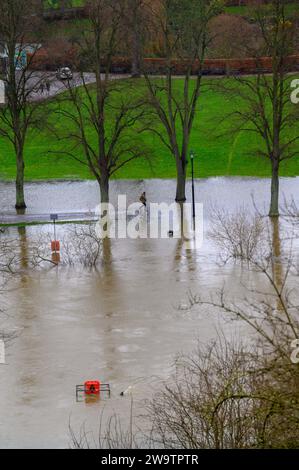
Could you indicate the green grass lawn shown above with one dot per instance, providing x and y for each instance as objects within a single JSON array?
[
  {"x": 291, "y": 9},
  {"x": 56, "y": 3},
  {"x": 235, "y": 10},
  {"x": 218, "y": 151}
]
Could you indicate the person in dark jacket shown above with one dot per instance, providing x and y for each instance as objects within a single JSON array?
[
  {"x": 143, "y": 199},
  {"x": 48, "y": 85}
]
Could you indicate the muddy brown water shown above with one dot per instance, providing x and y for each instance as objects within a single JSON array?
[{"x": 121, "y": 324}]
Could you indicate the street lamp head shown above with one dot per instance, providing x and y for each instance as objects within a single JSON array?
[{"x": 191, "y": 154}]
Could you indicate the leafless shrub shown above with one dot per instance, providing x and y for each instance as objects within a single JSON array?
[
  {"x": 8, "y": 267},
  {"x": 80, "y": 245},
  {"x": 8, "y": 255},
  {"x": 270, "y": 308},
  {"x": 290, "y": 212},
  {"x": 83, "y": 245},
  {"x": 208, "y": 403},
  {"x": 227, "y": 396},
  {"x": 238, "y": 235},
  {"x": 112, "y": 434}
]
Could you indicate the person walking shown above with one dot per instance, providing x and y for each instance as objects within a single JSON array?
[
  {"x": 143, "y": 199},
  {"x": 48, "y": 85}
]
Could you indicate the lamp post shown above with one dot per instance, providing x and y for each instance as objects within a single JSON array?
[{"x": 193, "y": 192}]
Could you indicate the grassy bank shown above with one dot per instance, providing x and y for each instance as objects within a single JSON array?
[
  {"x": 243, "y": 10},
  {"x": 218, "y": 151}
]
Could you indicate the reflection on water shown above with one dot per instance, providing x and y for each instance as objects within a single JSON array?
[
  {"x": 23, "y": 246},
  {"x": 118, "y": 324},
  {"x": 277, "y": 268}
]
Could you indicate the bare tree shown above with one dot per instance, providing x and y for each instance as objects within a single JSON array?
[
  {"x": 264, "y": 247},
  {"x": 183, "y": 27},
  {"x": 139, "y": 22},
  {"x": 196, "y": 408},
  {"x": 264, "y": 105},
  {"x": 233, "y": 36},
  {"x": 102, "y": 120},
  {"x": 9, "y": 258},
  {"x": 112, "y": 434},
  {"x": 239, "y": 236},
  {"x": 19, "y": 33},
  {"x": 229, "y": 395},
  {"x": 8, "y": 267},
  {"x": 135, "y": 19}
]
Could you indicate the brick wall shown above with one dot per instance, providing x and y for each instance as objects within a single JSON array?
[{"x": 44, "y": 61}]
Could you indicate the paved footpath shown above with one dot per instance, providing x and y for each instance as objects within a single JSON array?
[
  {"x": 58, "y": 86},
  {"x": 14, "y": 219}
]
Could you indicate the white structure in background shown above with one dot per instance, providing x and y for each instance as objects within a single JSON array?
[
  {"x": 2, "y": 92},
  {"x": 3, "y": 61}
]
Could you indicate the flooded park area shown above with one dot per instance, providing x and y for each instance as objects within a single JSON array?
[{"x": 122, "y": 323}]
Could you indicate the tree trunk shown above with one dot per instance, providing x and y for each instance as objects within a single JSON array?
[
  {"x": 136, "y": 66},
  {"x": 136, "y": 48},
  {"x": 104, "y": 187},
  {"x": 20, "y": 197},
  {"x": 181, "y": 182},
  {"x": 274, "y": 207},
  {"x": 63, "y": 5}
]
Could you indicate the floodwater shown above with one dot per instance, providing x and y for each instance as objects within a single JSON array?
[{"x": 120, "y": 324}]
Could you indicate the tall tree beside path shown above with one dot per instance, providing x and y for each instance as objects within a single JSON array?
[
  {"x": 264, "y": 100},
  {"x": 101, "y": 119},
  {"x": 138, "y": 23},
  {"x": 19, "y": 34},
  {"x": 183, "y": 28}
]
